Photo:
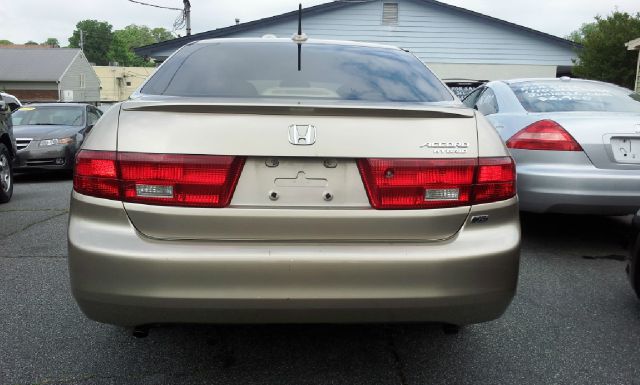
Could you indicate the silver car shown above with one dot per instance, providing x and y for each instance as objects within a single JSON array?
[
  {"x": 576, "y": 142},
  {"x": 238, "y": 187}
]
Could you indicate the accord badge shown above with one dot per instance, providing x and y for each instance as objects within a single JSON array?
[{"x": 447, "y": 147}]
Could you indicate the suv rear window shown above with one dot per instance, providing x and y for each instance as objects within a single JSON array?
[
  {"x": 270, "y": 70},
  {"x": 574, "y": 95}
]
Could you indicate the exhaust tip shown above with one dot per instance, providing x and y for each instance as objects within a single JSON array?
[{"x": 141, "y": 331}]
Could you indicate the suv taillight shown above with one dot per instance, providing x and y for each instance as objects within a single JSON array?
[
  {"x": 544, "y": 135},
  {"x": 436, "y": 183},
  {"x": 158, "y": 179}
]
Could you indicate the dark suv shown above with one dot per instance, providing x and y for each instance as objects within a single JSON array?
[{"x": 7, "y": 152}]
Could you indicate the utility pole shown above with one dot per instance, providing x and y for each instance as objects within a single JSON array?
[{"x": 187, "y": 15}]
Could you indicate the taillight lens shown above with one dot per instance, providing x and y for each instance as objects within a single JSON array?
[
  {"x": 495, "y": 181},
  {"x": 417, "y": 183},
  {"x": 544, "y": 135},
  {"x": 179, "y": 180},
  {"x": 436, "y": 183},
  {"x": 96, "y": 174},
  {"x": 158, "y": 179}
]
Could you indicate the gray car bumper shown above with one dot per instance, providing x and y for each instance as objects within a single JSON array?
[
  {"x": 58, "y": 157},
  {"x": 578, "y": 189}
]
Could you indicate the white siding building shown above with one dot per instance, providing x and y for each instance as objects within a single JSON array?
[
  {"x": 48, "y": 75},
  {"x": 454, "y": 42}
]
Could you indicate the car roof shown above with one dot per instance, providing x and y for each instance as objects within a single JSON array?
[
  {"x": 9, "y": 96},
  {"x": 267, "y": 40}
]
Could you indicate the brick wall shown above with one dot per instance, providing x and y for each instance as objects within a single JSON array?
[{"x": 35, "y": 95}]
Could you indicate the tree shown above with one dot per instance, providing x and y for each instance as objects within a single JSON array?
[
  {"x": 98, "y": 37},
  {"x": 603, "y": 55},
  {"x": 161, "y": 34},
  {"x": 5, "y": 42},
  {"x": 52, "y": 42},
  {"x": 578, "y": 35},
  {"x": 134, "y": 36},
  {"x": 103, "y": 45},
  {"x": 119, "y": 53},
  {"x": 31, "y": 42}
]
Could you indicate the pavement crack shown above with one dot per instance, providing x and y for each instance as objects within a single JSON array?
[
  {"x": 33, "y": 224},
  {"x": 397, "y": 361}
]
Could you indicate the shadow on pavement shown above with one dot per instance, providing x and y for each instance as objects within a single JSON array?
[
  {"x": 576, "y": 231},
  {"x": 44, "y": 176},
  {"x": 277, "y": 354}
]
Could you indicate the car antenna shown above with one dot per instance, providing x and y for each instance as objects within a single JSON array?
[{"x": 300, "y": 37}]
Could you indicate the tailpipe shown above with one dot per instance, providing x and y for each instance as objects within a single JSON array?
[{"x": 141, "y": 331}]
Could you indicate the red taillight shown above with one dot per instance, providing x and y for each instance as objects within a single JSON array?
[
  {"x": 495, "y": 181},
  {"x": 179, "y": 180},
  {"x": 159, "y": 179},
  {"x": 96, "y": 174},
  {"x": 407, "y": 183},
  {"x": 544, "y": 135},
  {"x": 436, "y": 183}
]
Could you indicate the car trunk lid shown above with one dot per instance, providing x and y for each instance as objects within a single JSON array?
[
  {"x": 610, "y": 140},
  {"x": 301, "y": 175}
]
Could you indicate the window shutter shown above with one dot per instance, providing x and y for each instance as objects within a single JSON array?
[{"x": 389, "y": 13}]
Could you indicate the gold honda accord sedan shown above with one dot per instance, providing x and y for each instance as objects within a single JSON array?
[{"x": 269, "y": 180}]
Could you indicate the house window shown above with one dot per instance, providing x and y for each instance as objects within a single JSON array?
[
  {"x": 389, "y": 13},
  {"x": 128, "y": 84},
  {"x": 82, "y": 84}
]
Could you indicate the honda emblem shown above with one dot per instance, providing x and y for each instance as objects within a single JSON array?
[{"x": 302, "y": 134}]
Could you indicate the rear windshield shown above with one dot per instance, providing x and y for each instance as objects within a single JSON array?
[
  {"x": 574, "y": 95},
  {"x": 46, "y": 116},
  {"x": 270, "y": 70}
]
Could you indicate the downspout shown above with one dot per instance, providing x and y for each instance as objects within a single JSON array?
[{"x": 59, "y": 91}]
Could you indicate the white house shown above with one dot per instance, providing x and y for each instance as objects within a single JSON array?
[{"x": 453, "y": 41}]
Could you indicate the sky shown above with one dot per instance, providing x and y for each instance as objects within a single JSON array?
[{"x": 37, "y": 20}]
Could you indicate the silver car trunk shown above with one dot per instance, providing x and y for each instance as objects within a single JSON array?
[
  {"x": 605, "y": 136},
  {"x": 304, "y": 173}
]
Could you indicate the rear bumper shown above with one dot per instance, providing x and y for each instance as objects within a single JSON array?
[
  {"x": 577, "y": 189},
  {"x": 121, "y": 277},
  {"x": 47, "y": 158}
]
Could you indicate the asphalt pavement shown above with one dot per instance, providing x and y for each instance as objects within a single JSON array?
[{"x": 574, "y": 320}]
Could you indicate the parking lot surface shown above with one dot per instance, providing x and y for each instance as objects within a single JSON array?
[{"x": 575, "y": 320}]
